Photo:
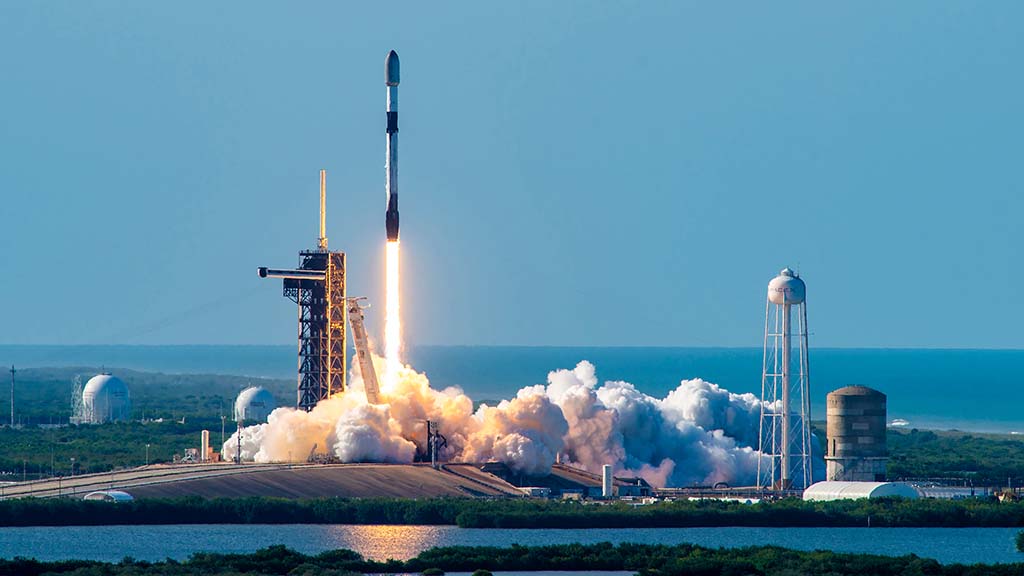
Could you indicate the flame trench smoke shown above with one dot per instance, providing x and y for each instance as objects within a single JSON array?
[
  {"x": 698, "y": 433},
  {"x": 393, "y": 318}
]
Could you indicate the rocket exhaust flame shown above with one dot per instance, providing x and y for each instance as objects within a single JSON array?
[{"x": 393, "y": 317}]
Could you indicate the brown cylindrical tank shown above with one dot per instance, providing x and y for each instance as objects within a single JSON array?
[{"x": 856, "y": 423}]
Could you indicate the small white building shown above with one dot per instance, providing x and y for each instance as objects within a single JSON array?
[
  {"x": 109, "y": 496},
  {"x": 951, "y": 492},
  {"x": 834, "y": 490},
  {"x": 536, "y": 491}
]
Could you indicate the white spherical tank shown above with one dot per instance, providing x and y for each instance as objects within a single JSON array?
[
  {"x": 787, "y": 288},
  {"x": 255, "y": 403},
  {"x": 105, "y": 398}
]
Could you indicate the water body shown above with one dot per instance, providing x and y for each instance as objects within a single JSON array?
[
  {"x": 928, "y": 388},
  {"x": 112, "y": 543}
]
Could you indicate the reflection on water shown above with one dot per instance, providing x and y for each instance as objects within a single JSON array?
[
  {"x": 386, "y": 542},
  {"x": 541, "y": 573},
  {"x": 112, "y": 543}
]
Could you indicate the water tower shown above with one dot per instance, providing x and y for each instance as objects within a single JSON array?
[{"x": 785, "y": 428}]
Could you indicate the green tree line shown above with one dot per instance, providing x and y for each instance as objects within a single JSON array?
[
  {"x": 44, "y": 395},
  {"x": 978, "y": 459},
  {"x": 647, "y": 560},
  {"x": 45, "y": 452},
  {"x": 517, "y": 513}
]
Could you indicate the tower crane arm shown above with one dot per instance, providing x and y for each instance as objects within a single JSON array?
[{"x": 362, "y": 344}]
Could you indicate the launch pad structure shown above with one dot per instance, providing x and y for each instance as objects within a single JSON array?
[{"x": 318, "y": 287}]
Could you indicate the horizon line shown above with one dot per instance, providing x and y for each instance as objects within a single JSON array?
[{"x": 531, "y": 346}]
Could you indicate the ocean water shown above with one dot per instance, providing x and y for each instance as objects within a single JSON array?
[
  {"x": 112, "y": 543},
  {"x": 946, "y": 389}
]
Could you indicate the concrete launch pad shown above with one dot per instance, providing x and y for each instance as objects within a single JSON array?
[
  {"x": 345, "y": 480},
  {"x": 281, "y": 481}
]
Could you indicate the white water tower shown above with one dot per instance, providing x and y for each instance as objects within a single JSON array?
[{"x": 785, "y": 429}]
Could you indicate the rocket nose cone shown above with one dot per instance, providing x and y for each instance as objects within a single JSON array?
[{"x": 391, "y": 69}]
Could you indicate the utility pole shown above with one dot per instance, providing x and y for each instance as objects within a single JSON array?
[
  {"x": 238, "y": 451},
  {"x": 12, "y": 394}
]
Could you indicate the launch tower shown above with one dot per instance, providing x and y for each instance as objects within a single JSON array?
[
  {"x": 785, "y": 428},
  {"x": 318, "y": 287}
]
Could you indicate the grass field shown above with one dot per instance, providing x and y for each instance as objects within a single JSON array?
[{"x": 43, "y": 395}]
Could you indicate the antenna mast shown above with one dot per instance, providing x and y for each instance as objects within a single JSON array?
[
  {"x": 12, "y": 394},
  {"x": 323, "y": 210}
]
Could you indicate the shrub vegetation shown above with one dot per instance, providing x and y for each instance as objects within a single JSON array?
[
  {"x": 471, "y": 513},
  {"x": 648, "y": 560}
]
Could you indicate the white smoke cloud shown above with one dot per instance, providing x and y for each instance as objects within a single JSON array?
[
  {"x": 367, "y": 433},
  {"x": 526, "y": 432},
  {"x": 700, "y": 433}
]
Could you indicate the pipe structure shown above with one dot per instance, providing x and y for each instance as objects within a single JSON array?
[
  {"x": 785, "y": 479},
  {"x": 292, "y": 274}
]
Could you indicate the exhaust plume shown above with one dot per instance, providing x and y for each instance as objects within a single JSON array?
[
  {"x": 392, "y": 314},
  {"x": 700, "y": 433}
]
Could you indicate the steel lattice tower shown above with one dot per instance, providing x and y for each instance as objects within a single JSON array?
[
  {"x": 785, "y": 426},
  {"x": 317, "y": 286}
]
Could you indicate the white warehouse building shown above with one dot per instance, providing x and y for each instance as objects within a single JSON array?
[
  {"x": 834, "y": 490},
  {"x": 254, "y": 404}
]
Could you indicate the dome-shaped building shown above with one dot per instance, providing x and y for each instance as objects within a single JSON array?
[
  {"x": 254, "y": 404},
  {"x": 105, "y": 398}
]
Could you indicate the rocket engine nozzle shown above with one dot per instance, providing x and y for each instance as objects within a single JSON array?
[{"x": 391, "y": 220}]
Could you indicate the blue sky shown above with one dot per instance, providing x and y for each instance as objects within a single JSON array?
[{"x": 572, "y": 173}]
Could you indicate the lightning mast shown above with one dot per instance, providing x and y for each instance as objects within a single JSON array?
[{"x": 322, "y": 242}]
